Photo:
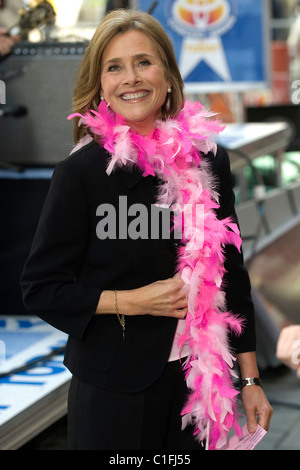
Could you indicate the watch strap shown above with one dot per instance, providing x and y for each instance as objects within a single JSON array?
[{"x": 251, "y": 381}]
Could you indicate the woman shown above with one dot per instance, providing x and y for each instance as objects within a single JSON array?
[{"x": 144, "y": 311}]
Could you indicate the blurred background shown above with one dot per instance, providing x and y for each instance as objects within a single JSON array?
[{"x": 244, "y": 66}]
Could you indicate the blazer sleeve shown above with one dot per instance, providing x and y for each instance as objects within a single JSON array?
[
  {"x": 236, "y": 280},
  {"x": 49, "y": 280}
]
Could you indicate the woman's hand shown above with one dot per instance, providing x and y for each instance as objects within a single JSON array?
[
  {"x": 166, "y": 298},
  {"x": 257, "y": 408}
]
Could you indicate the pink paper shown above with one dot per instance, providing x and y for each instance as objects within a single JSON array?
[{"x": 247, "y": 442}]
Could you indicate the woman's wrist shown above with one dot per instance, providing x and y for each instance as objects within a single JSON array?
[
  {"x": 251, "y": 381},
  {"x": 248, "y": 365},
  {"x": 107, "y": 302}
]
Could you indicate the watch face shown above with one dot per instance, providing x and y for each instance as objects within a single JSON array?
[{"x": 251, "y": 381}]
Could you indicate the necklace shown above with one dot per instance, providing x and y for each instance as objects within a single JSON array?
[{"x": 173, "y": 151}]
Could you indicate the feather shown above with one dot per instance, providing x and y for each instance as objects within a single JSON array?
[{"x": 173, "y": 152}]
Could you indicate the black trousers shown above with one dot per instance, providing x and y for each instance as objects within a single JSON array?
[{"x": 149, "y": 420}]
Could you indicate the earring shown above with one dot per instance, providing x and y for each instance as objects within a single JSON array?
[
  {"x": 169, "y": 90},
  {"x": 168, "y": 103},
  {"x": 102, "y": 99}
]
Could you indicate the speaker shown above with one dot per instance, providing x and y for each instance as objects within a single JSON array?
[
  {"x": 39, "y": 78},
  {"x": 278, "y": 113}
]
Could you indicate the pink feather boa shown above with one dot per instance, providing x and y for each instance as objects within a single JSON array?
[{"x": 173, "y": 152}]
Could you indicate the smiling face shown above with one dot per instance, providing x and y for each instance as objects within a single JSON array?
[{"x": 133, "y": 81}]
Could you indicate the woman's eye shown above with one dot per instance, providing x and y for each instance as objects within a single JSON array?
[
  {"x": 113, "y": 68},
  {"x": 144, "y": 63}
]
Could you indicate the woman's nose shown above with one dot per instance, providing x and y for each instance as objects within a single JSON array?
[{"x": 131, "y": 76}]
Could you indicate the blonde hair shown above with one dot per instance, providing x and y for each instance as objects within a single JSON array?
[{"x": 88, "y": 85}]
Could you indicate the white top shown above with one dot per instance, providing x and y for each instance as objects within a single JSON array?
[{"x": 174, "y": 354}]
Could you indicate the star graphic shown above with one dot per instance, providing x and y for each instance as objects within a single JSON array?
[{"x": 210, "y": 50}]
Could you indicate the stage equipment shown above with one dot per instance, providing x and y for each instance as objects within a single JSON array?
[{"x": 40, "y": 78}]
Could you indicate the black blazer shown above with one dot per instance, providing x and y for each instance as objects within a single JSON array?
[{"x": 69, "y": 266}]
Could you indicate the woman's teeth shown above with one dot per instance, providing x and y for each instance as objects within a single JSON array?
[{"x": 134, "y": 96}]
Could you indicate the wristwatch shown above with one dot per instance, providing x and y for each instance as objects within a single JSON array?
[{"x": 251, "y": 381}]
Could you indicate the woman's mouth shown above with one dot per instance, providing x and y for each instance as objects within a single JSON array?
[{"x": 134, "y": 96}]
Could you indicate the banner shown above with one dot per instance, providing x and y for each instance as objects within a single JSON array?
[
  {"x": 220, "y": 45},
  {"x": 22, "y": 340}
]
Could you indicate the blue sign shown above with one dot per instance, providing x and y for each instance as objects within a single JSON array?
[
  {"x": 22, "y": 340},
  {"x": 219, "y": 44}
]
